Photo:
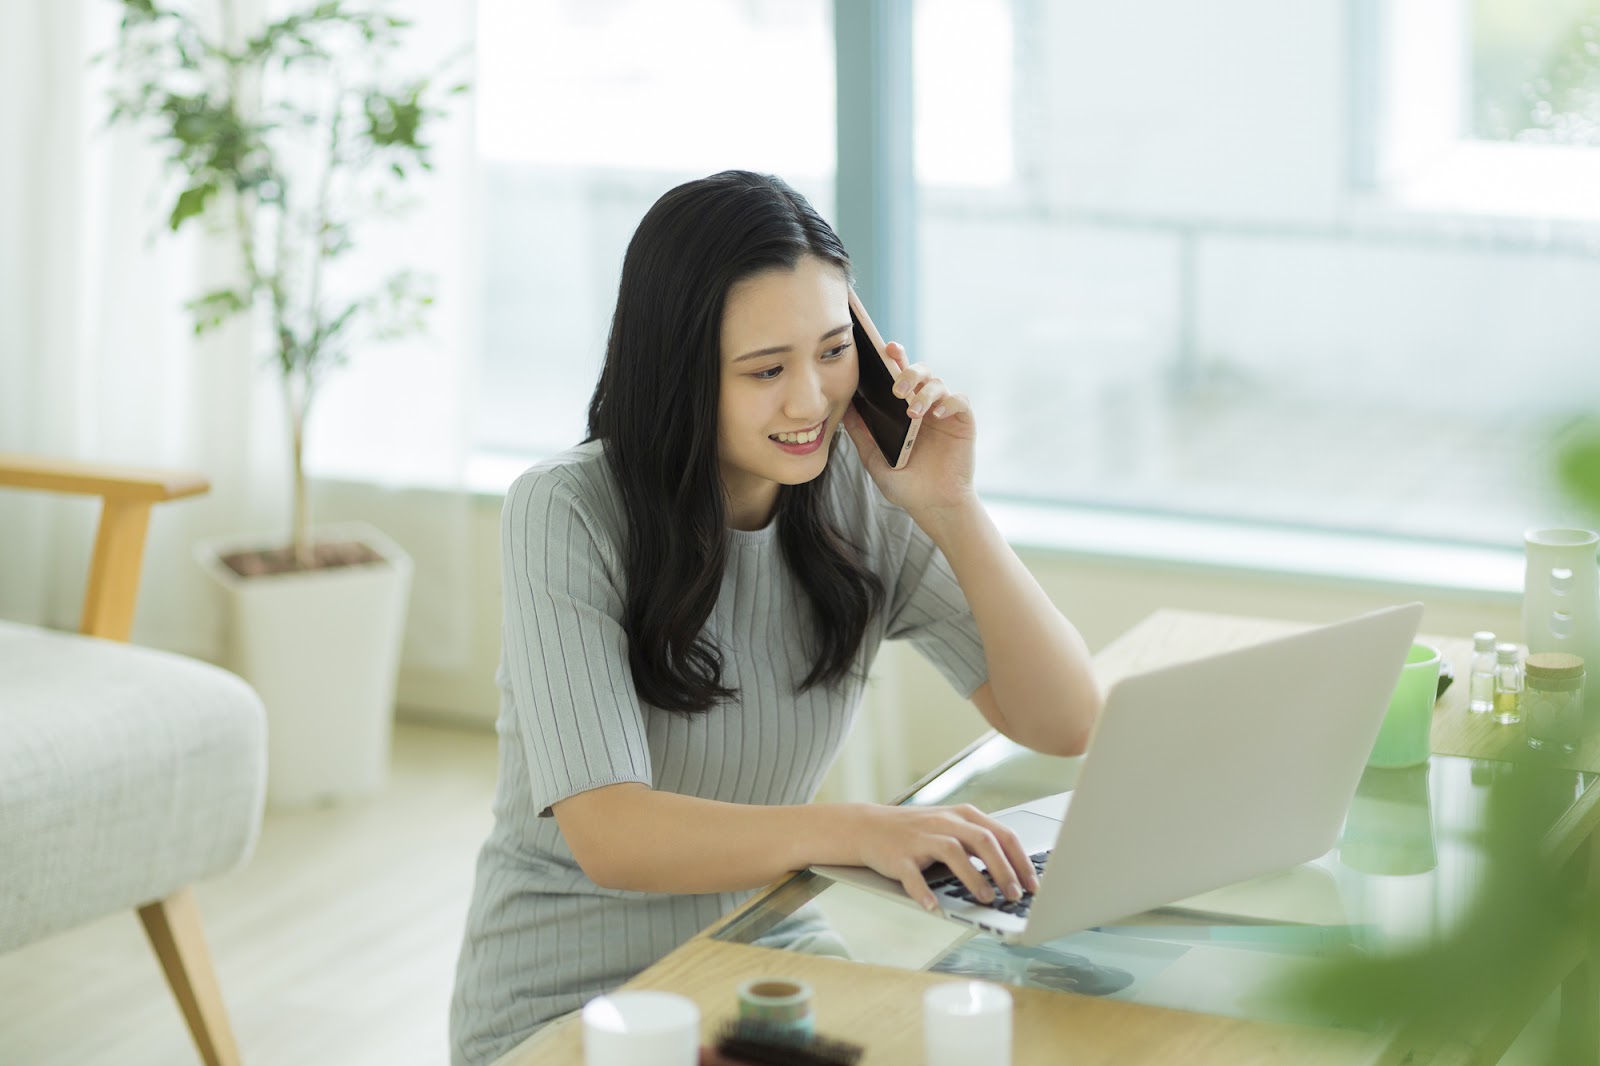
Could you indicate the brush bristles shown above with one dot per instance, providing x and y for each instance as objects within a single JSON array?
[{"x": 763, "y": 1044}]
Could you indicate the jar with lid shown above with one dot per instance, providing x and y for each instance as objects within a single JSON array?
[{"x": 1552, "y": 701}]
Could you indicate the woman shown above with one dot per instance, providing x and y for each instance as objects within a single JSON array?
[{"x": 692, "y": 599}]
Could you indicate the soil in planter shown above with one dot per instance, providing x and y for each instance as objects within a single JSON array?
[{"x": 326, "y": 555}]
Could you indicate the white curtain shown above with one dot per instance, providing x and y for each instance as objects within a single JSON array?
[{"x": 98, "y": 359}]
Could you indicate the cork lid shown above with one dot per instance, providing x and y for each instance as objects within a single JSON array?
[{"x": 1554, "y": 665}]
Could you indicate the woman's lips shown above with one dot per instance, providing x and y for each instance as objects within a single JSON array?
[{"x": 794, "y": 448}]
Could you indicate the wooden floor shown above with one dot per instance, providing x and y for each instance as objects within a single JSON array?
[{"x": 336, "y": 944}]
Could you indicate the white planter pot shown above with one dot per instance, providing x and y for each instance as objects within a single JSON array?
[{"x": 322, "y": 648}]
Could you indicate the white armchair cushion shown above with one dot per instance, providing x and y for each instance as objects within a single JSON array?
[{"x": 125, "y": 774}]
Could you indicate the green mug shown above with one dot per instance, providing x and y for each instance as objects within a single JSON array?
[
  {"x": 1389, "y": 829},
  {"x": 1403, "y": 740}
]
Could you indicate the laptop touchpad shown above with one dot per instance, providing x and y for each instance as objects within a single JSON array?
[{"x": 1037, "y": 832}]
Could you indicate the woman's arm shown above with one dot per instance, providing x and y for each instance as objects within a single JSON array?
[
  {"x": 1041, "y": 690},
  {"x": 632, "y": 837}
]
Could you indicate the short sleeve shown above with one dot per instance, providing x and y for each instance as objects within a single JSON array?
[
  {"x": 928, "y": 609},
  {"x": 573, "y": 707}
]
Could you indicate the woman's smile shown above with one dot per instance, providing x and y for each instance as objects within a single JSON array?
[{"x": 801, "y": 442}]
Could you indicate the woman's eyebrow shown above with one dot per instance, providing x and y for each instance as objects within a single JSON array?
[{"x": 782, "y": 348}]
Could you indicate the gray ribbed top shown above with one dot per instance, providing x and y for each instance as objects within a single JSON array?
[{"x": 541, "y": 937}]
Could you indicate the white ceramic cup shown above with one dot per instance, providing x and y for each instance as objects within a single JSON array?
[
  {"x": 964, "y": 1022},
  {"x": 641, "y": 1029}
]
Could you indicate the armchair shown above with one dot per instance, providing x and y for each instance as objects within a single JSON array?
[{"x": 126, "y": 774}]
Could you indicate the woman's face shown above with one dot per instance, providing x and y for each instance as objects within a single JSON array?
[{"x": 788, "y": 370}]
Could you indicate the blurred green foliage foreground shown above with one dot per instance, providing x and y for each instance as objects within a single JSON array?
[
  {"x": 1578, "y": 467},
  {"x": 1468, "y": 994}
]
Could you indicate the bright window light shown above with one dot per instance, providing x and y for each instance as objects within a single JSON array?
[
  {"x": 1489, "y": 107},
  {"x": 641, "y": 85},
  {"x": 964, "y": 84}
]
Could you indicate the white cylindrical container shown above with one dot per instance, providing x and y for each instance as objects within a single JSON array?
[
  {"x": 641, "y": 1029},
  {"x": 966, "y": 1022},
  {"x": 1561, "y": 597}
]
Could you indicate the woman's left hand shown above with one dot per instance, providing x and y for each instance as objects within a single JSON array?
[{"x": 939, "y": 475}]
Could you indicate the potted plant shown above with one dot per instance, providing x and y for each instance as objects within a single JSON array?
[{"x": 286, "y": 137}]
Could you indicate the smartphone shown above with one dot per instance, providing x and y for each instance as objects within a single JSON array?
[{"x": 887, "y": 416}]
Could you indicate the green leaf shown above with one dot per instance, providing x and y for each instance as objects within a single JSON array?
[
  {"x": 1578, "y": 468},
  {"x": 395, "y": 120},
  {"x": 191, "y": 202},
  {"x": 217, "y": 306},
  {"x": 1509, "y": 932}
]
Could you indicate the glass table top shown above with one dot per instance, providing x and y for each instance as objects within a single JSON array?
[{"x": 1408, "y": 861}]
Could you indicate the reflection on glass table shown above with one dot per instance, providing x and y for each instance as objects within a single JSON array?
[{"x": 1407, "y": 863}]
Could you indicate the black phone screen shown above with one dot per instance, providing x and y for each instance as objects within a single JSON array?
[{"x": 884, "y": 413}]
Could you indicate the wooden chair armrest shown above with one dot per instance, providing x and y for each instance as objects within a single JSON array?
[
  {"x": 98, "y": 479},
  {"x": 126, "y": 494}
]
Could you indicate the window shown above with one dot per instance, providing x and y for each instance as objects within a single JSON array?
[
  {"x": 1485, "y": 107},
  {"x": 1187, "y": 308},
  {"x": 1148, "y": 243},
  {"x": 589, "y": 111},
  {"x": 1535, "y": 72},
  {"x": 965, "y": 92}
]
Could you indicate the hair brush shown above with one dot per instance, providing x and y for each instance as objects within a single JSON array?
[{"x": 760, "y": 1044}]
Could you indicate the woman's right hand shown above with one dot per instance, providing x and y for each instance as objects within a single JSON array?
[{"x": 901, "y": 842}]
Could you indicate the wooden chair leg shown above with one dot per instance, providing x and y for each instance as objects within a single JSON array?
[{"x": 173, "y": 925}]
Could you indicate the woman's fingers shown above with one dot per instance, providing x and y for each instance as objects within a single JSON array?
[
  {"x": 911, "y": 378},
  {"x": 926, "y": 394},
  {"x": 954, "y": 836},
  {"x": 983, "y": 843},
  {"x": 1016, "y": 855},
  {"x": 1000, "y": 849},
  {"x": 931, "y": 394},
  {"x": 953, "y": 853},
  {"x": 951, "y": 405},
  {"x": 916, "y": 886}
]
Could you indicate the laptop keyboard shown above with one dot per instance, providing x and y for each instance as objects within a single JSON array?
[{"x": 940, "y": 878}]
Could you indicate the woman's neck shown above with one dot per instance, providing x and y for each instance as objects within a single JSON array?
[{"x": 753, "y": 507}]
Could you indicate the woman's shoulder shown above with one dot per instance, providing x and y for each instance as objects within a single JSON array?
[{"x": 575, "y": 483}]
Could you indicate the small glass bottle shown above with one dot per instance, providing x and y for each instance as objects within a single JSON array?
[
  {"x": 1480, "y": 683},
  {"x": 1552, "y": 703},
  {"x": 1507, "y": 685}
]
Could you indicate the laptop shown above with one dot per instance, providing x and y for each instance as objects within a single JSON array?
[{"x": 1198, "y": 775}]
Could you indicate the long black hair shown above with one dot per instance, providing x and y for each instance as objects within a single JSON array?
[{"x": 655, "y": 410}]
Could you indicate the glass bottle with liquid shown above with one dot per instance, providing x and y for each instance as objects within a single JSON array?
[
  {"x": 1507, "y": 684},
  {"x": 1480, "y": 683}
]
